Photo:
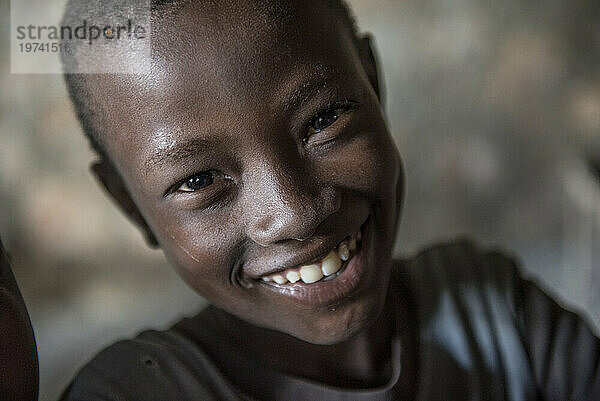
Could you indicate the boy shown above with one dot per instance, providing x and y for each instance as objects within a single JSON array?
[{"x": 251, "y": 147}]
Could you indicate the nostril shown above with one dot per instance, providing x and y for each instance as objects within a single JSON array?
[
  {"x": 268, "y": 229},
  {"x": 301, "y": 239}
]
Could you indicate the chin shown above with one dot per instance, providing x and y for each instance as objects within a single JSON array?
[{"x": 339, "y": 324}]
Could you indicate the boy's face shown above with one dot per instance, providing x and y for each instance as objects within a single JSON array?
[{"x": 254, "y": 142}]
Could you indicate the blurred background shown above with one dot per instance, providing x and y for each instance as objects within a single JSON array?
[{"x": 495, "y": 107}]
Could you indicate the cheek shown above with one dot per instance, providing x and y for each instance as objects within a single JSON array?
[
  {"x": 368, "y": 164},
  {"x": 203, "y": 251}
]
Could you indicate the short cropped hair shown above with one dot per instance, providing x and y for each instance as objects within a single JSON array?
[{"x": 82, "y": 97}]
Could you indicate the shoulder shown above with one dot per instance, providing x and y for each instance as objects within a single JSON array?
[
  {"x": 483, "y": 323},
  {"x": 153, "y": 366},
  {"x": 461, "y": 284},
  {"x": 469, "y": 325},
  {"x": 463, "y": 264}
]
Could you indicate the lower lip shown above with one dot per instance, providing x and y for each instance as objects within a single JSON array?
[{"x": 327, "y": 293}]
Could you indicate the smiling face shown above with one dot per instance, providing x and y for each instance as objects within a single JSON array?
[{"x": 255, "y": 149}]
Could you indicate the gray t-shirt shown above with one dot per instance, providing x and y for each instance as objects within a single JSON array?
[{"x": 483, "y": 333}]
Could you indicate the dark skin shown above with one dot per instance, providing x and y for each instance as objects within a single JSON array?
[{"x": 217, "y": 155}]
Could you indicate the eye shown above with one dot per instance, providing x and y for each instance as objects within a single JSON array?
[
  {"x": 324, "y": 119},
  {"x": 197, "y": 182},
  {"x": 328, "y": 116}
]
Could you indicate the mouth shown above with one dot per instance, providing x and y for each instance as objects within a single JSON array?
[
  {"x": 325, "y": 282},
  {"x": 325, "y": 269}
]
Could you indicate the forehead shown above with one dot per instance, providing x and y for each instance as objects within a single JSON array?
[
  {"x": 215, "y": 61},
  {"x": 240, "y": 46}
]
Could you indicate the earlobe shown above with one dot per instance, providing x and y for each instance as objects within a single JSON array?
[
  {"x": 369, "y": 62},
  {"x": 110, "y": 179}
]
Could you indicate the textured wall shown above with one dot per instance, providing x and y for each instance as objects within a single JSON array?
[{"x": 495, "y": 109}]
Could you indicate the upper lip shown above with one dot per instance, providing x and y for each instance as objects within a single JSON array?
[{"x": 287, "y": 256}]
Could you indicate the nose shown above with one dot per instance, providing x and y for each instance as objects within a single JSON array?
[{"x": 286, "y": 204}]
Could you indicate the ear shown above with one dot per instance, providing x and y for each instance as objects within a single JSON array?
[
  {"x": 369, "y": 62},
  {"x": 110, "y": 179}
]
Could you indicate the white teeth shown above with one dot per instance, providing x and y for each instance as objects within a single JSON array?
[
  {"x": 344, "y": 252},
  {"x": 331, "y": 264},
  {"x": 292, "y": 276},
  {"x": 311, "y": 274}
]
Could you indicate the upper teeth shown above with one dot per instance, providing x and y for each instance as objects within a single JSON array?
[
  {"x": 330, "y": 265},
  {"x": 292, "y": 276},
  {"x": 344, "y": 252},
  {"x": 311, "y": 273}
]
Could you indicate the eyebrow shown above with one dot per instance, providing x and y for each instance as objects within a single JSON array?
[
  {"x": 176, "y": 153},
  {"x": 308, "y": 86}
]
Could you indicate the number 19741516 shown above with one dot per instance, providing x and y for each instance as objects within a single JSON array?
[{"x": 44, "y": 47}]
